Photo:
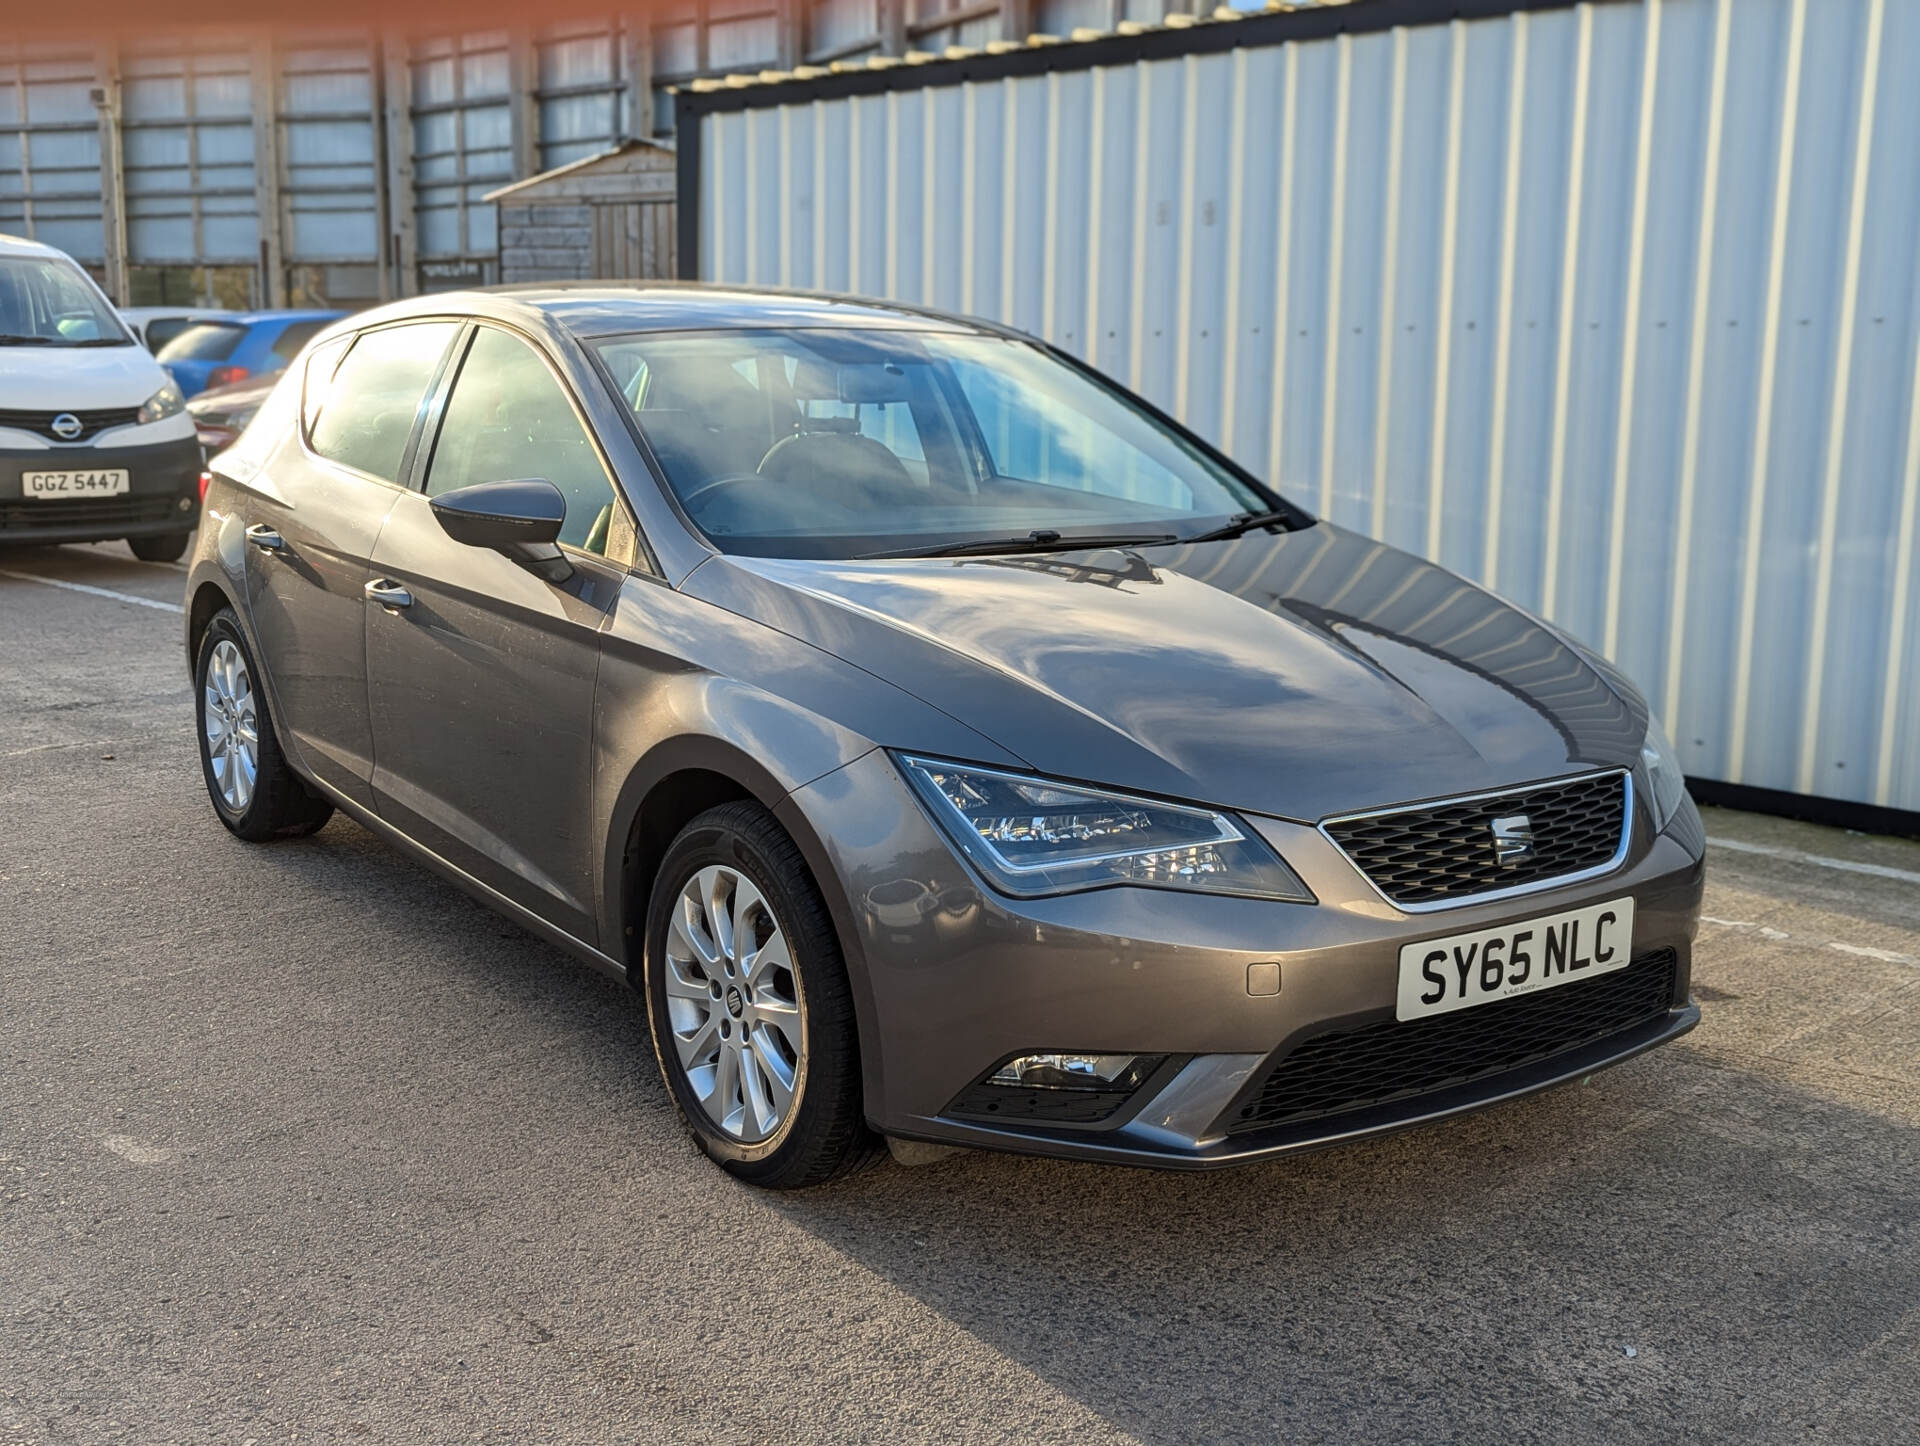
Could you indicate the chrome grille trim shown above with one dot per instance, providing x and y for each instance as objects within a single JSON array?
[{"x": 1490, "y": 896}]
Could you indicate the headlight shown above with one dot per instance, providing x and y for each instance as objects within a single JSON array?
[
  {"x": 1031, "y": 837},
  {"x": 1666, "y": 785},
  {"x": 167, "y": 402}
]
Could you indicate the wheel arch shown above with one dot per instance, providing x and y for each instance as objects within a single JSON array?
[
  {"x": 675, "y": 782},
  {"x": 208, "y": 599}
]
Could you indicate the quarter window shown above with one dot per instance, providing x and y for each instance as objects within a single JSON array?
[
  {"x": 363, "y": 413},
  {"x": 320, "y": 369},
  {"x": 510, "y": 420}
]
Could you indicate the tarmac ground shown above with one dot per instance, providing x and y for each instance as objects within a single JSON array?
[{"x": 297, "y": 1143}]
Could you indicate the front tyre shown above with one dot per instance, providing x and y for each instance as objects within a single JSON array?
[
  {"x": 167, "y": 547},
  {"x": 749, "y": 1005},
  {"x": 253, "y": 790}
]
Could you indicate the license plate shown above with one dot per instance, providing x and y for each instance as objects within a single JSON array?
[
  {"x": 99, "y": 482},
  {"x": 1462, "y": 970}
]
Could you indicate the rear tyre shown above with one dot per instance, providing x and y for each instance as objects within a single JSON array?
[
  {"x": 749, "y": 1005},
  {"x": 253, "y": 790},
  {"x": 167, "y": 547}
]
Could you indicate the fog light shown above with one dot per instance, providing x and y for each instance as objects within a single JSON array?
[{"x": 1115, "y": 1072}]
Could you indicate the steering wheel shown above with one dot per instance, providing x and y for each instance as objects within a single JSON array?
[{"x": 714, "y": 484}]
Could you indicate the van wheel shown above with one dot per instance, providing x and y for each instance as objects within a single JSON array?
[
  {"x": 167, "y": 547},
  {"x": 749, "y": 1005},
  {"x": 253, "y": 790}
]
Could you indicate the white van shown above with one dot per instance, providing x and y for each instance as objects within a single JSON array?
[{"x": 95, "y": 441}]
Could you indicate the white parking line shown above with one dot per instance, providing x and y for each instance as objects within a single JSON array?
[
  {"x": 126, "y": 597},
  {"x": 1794, "y": 856},
  {"x": 1886, "y": 956}
]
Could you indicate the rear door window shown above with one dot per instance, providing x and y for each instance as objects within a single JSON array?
[
  {"x": 362, "y": 415},
  {"x": 203, "y": 341}
]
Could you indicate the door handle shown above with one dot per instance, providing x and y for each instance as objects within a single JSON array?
[
  {"x": 265, "y": 538},
  {"x": 389, "y": 594}
]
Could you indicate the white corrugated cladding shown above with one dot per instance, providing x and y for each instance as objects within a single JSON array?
[{"x": 1612, "y": 308}]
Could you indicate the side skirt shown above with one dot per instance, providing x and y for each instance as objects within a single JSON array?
[{"x": 466, "y": 882}]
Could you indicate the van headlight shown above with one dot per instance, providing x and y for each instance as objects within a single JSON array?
[
  {"x": 167, "y": 402},
  {"x": 1661, "y": 776},
  {"x": 1031, "y": 837}
]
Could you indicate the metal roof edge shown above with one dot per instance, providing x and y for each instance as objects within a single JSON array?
[{"x": 1180, "y": 35}]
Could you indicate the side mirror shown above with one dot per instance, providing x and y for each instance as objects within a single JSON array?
[{"x": 520, "y": 519}]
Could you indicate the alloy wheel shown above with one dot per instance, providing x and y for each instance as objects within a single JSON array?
[
  {"x": 230, "y": 725},
  {"x": 734, "y": 1003}
]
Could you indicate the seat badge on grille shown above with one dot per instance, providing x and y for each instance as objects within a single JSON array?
[{"x": 1512, "y": 839}]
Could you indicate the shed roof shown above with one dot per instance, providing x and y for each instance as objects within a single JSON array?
[{"x": 607, "y": 160}]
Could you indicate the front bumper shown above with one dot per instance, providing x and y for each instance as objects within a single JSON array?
[
  {"x": 163, "y": 495},
  {"x": 952, "y": 978}
]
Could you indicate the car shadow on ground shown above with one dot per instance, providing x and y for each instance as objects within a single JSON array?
[
  {"x": 1666, "y": 1253},
  {"x": 1678, "y": 1249}
]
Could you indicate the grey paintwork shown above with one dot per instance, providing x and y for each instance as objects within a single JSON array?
[{"x": 513, "y": 731}]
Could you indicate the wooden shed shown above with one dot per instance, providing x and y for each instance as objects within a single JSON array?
[{"x": 605, "y": 217}]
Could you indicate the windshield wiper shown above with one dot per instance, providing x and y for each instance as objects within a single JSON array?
[
  {"x": 1041, "y": 539},
  {"x": 1245, "y": 522},
  {"x": 103, "y": 341},
  {"x": 15, "y": 339}
]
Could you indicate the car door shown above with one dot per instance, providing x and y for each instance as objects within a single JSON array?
[
  {"x": 311, "y": 517},
  {"x": 480, "y": 673}
]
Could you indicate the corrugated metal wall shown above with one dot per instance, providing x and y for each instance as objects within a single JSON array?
[{"x": 1613, "y": 308}]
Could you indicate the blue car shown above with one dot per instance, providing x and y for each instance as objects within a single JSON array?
[{"x": 221, "y": 351}]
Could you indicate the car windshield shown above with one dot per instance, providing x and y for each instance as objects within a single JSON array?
[
  {"x": 203, "y": 341},
  {"x": 45, "y": 301},
  {"x": 840, "y": 443}
]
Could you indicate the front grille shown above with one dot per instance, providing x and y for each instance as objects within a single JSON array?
[
  {"x": 88, "y": 511},
  {"x": 1376, "y": 1064},
  {"x": 1444, "y": 852},
  {"x": 91, "y": 423}
]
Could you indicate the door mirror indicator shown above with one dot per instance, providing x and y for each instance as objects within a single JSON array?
[{"x": 520, "y": 519}]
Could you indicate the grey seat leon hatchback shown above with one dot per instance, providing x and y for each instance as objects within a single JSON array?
[{"x": 947, "y": 745}]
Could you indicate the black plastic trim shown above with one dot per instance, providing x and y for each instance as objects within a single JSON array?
[
  {"x": 686, "y": 140},
  {"x": 969, "y": 1105},
  {"x": 1835, "y": 812}
]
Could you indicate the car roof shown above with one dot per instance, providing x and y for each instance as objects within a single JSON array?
[
  {"x": 254, "y": 318},
  {"x": 598, "y": 308},
  {"x": 154, "y": 313},
  {"x": 21, "y": 246}
]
